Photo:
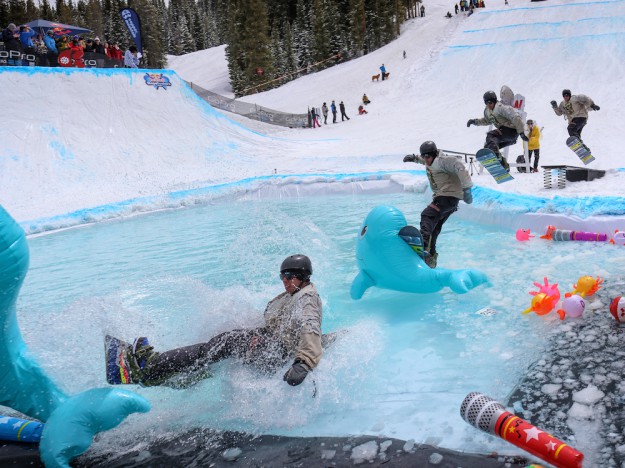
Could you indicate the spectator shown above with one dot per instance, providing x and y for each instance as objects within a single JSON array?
[
  {"x": 362, "y": 110},
  {"x": 404, "y": 54},
  {"x": 130, "y": 58},
  {"x": 88, "y": 46},
  {"x": 26, "y": 40},
  {"x": 53, "y": 53},
  {"x": 448, "y": 15},
  {"x": 115, "y": 52},
  {"x": 324, "y": 111},
  {"x": 456, "y": 8},
  {"x": 98, "y": 47},
  {"x": 313, "y": 116},
  {"x": 333, "y": 109},
  {"x": 62, "y": 44},
  {"x": 11, "y": 37},
  {"x": 533, "y": 145},
  {"x": 383, "y": 70},
  {"x": 107, "y": 49},
  {"x": 81, "y": 43},
  {"x": 343, "y": 114},
  {"x": 422, "y": 11},
  {"x": 365, "y": 99}
]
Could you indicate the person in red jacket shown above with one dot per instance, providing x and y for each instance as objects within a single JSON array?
[{"x": 115, "y": 52}]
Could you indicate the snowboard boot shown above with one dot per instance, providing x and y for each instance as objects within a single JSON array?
[
  {"x": 137, "y": 357},
  {"x": 430, "y": 260}
]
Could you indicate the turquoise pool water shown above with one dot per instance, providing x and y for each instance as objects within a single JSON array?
[{"x": 403, "y": 369}]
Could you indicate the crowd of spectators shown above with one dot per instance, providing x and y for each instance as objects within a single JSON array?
[{"x": 46, "y": 48}]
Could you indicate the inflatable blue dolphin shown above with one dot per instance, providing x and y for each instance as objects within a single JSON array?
[
  {"x": 385, "y": 260},
  {"x": 71, "y": 422}
]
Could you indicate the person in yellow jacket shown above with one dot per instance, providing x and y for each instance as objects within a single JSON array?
[{"x": 533, "y": 145}]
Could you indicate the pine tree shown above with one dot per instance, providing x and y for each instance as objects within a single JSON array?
[
  {"x": 17, "y": 12},
  {"x": 93, "y": 17},
  {"x": 5, "y": 18},
  {"x": 249, "y": 47},
  {"x": 32, "y": 11},
  {"x": 45, "y": 11}
]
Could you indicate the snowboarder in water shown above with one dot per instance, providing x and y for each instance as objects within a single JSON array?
[
  {"x": 450, "y": 182},
  {"x": 509, "y": 126},
  {"x": 575, "y": 108},
  {"x": 292, "y": 330}
]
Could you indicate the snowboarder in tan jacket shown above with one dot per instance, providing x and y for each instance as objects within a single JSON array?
[
  {"x": 507, "y": 122},
  {"x": 575, "y": 108}
]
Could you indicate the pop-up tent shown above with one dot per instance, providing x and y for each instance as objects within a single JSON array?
[{"x": 42, "y": 26}]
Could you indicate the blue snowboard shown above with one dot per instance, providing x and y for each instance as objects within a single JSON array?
[
  {"x": 489, "y": 160},
  {"x": 580, "y": 149}
]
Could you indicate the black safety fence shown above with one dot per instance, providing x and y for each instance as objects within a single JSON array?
[{"x": 251, "y": 111}]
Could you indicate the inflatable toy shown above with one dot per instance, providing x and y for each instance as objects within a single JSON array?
[
  {"x": 386, "y": 261},
  {"x": 617, "y": 309},
  {"x": 523, "y": 235},
  {"x": 586, "y": 286},
  {"x": 545, "y": 299},
  {"x": 618, "y": 238},
  {"x": 71, "y": 422},
  {"x": 565, "y": 235},
  {"x": 20, "y": 430},
  {"x": 490, "y": 416},
  {"x": 572, "y": 306}
]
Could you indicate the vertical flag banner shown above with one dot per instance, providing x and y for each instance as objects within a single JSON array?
[{"x": 131, "y": 20}]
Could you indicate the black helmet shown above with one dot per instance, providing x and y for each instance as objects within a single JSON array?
[
  {"x": 490, "y": 96},
  {"x": 298, "y": 264},
  {"x": 566, "y": 92},
  {"x": 428, "y": 148}
]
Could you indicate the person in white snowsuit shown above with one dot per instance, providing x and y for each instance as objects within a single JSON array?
[{"x": 507, "y": 122}]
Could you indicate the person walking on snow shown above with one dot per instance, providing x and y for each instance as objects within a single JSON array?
[
  {"x": 333, "y": 109},
  {"x": 450, "y": 182},
  {"x": 324, "y": 111},
  {"x": 343, "y": 114},
  {"x": 313, "y": 116},
  {"x": 383, "y": 70},
  {"x": 575, "y": 108},
  {"x": 507, "y": 122}
]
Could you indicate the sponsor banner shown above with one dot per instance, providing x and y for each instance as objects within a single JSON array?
[
  {"x": 158, "y": 80},
  {"x": 132, "y": 22},
  {"x": 15, "y": 58}
]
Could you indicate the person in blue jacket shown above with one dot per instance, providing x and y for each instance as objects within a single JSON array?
[
  {"x": 26, "y": 39},
  {"x": 333, "y": 109},
  {"x": 53, "y": 52},
  {"x": 383, "y": 70}
]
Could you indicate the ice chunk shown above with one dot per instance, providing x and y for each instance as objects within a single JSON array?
[
  {"x": 580, "y": 411},
  {"x": 588, "y": 396},
  {"x": 364, "y": 452}
]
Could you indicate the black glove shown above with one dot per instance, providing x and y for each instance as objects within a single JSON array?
[
  {"x": 595, "y": 107},
  {"x": 467, "y": 196},
  {"x": 296, "y": 374},
  {"x": 410, "y": 158},
  {"x": 554, "y": 104},
  {"x": 523, "y": 136},
  {"x": 471, "y": 122}
]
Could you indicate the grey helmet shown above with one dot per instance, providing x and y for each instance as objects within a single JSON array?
[
  {"x": 298, "y": 264},
  {"x": 490, "y": 96},
  {"x": 566, "y": 92},
  {"x": 428, "y": 148}
]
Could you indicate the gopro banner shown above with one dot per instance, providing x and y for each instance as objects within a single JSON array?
[{"x": 131, "y": 20}]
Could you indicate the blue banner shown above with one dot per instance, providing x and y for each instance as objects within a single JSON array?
[{"x": 131, "y": 20}]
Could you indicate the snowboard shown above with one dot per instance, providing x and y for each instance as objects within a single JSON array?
[
  {"x": 117, "y": 372},
  {"x": 580, "y": 150},
  {"x": 489, "y": 160},
  {"x": 412, "y": 236}
]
